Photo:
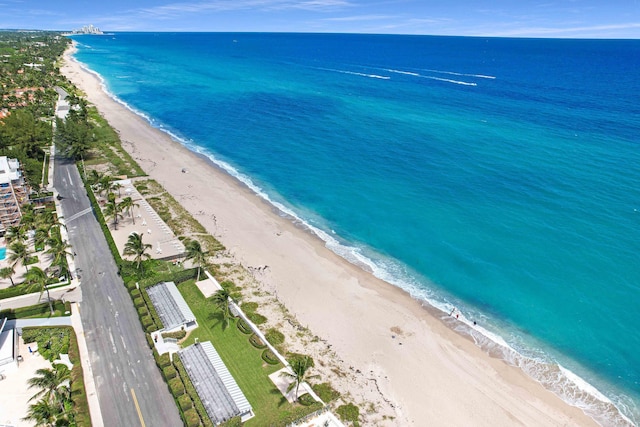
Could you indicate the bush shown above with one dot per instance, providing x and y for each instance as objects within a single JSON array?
[
  {"x": 269, "y": 357},
  {"x": 256, "y": 341},
  {"x": 185, "y": 402},
  {"x": 139, "y": 303},
  {"x": 232, "y": 422},
  {"x": 135, "y": 293},
  {"x": 176, "y": 387},
  {"x": 176, "y": 335},
  {"x": 51, "y": 341},
  {"x": 306, "y": 399},
  {"x": 325, "y": 392},
  {"x": 293, "y": 357},
  {"x": 164, "y": 361},
  {"x": 249, "y": 307},
  {"x": 149, "y": 340},
  {"x": 256, "y": 318},
  {"x": 244, "y": 328},
  {"x": 274, "y": 336},
  {"x": 147, "y": 322},
  {"x": 191, "y": 418},
  {"x": 143, "y": 312},
  {"x": 349, "y": 412},
  {"x": 169, "y": 372}
]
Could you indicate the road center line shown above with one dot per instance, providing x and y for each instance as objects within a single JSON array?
[{"x": 135, "y": 402}]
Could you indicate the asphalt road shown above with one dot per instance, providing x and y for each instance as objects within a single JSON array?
[{"x": 123, "y": 366}]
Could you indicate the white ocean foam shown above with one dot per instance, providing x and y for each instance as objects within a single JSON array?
[
  {"x": 354, "y": 73},
  {"x": 458, "y": 82},
  {"x": 453, "y": 73},
  {"x": 408, "y": 73},
  {"x": 563, "y": 382}
]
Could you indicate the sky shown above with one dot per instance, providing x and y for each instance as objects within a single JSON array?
[{"x": 501, "y": 18}]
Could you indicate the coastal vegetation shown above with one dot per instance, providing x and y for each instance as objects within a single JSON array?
[{"x": 62, "y": 404}]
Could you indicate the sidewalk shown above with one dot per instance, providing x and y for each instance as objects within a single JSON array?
[{"x": 89, "y": 383}]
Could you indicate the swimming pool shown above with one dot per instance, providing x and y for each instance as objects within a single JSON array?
[{"x": 3, "y": 252}]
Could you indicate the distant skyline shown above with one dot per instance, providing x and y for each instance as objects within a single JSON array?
[{"x": 501, "y": 18}]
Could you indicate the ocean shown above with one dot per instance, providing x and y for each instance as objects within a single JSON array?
[{"x": 497, "y": 176}]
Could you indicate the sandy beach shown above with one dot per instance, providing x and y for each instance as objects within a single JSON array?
[{"x": 395, "y": 353}]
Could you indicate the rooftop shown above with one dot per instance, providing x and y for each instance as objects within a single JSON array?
[
  {"x": 170, "y": 305},
  {"x": 219, "y": 392}
]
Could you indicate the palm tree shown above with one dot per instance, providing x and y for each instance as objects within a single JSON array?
[
  {"x": 15, "y": 232},
  {"x": 51, "y": 384},
  {"x": 127, "y": 204},
  {"x": 19, "y": 252},
  {"x": 115, "y": 186},
  {"x": 137, "y": 248},
  {"x": 40, "y": 237},
  {"x": 43, "y": 413},
  {"x": 38, "y": 278},
  {"x": 194, "y": 251},
  {"x": 58, "y": 250},
  {"x": 7, "y": 273},
  {"x": 221, "y": 300},
  {"x": 104, "y": 183},
  {"x": 113, "y": 210},
  {"x": 300, "y": 368}
]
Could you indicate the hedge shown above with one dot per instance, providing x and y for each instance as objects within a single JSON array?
[
  {"x": 256, "y": 342},
  {"x": 185, "y": 402},
  {"x": 147, "y": 322},
  {"x": 178, "y": 335},
  {"x": 191, "y": 418},
  {"x": 169, "y": 372},
  {"x": 244, "y": 328},
  {"x": 176, "y": 387},
  {"x": 269, "y": 357},
  {"x": 143, "y": 312},
  {"x": 164, "y": 361},
  {"x": 139, "y": 302},
  {"x": 135, "y": 293}
]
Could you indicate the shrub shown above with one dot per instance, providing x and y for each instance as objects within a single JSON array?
[
  {"x": 325, "y": 392},
  {"x": 306, "y": 399},
  {"x": 274, "y": 336},
  {"x": 249, "y": 307},
  {"x": 256, "y": 318},
  {"x": 185, "y": 402},
  {"x": 269, "y": 357},
  {"x": 244, "y": 328},
  {"x": 149, "y": 340},
  {"x": 51, "y": 341},
  {"x": 176, "y": 335},
  {"x": 176, "y": 387},
  {"x": 349, "y": 412},
  {"x": 232, "y": 422},
  {"x": 135, "y": 293},
  {"x": 139, "y": 302},
  {"x": 169, "y": 372},
  {"x": 147, "y": 322},
  {"x": 164, "y": 361},
  {"x": 191, "y": 418},
  {"x": 143, "y": 312},
  {"x": 256, "y": 341},
  {"x": 292, "y": 357}
]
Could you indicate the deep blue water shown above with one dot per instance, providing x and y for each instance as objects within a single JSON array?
[{"x": 497, "y": 175}]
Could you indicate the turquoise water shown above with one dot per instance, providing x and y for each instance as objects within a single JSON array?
[
  {"x": 3, "y": 252},
  {"x": 499, "y": 176}
]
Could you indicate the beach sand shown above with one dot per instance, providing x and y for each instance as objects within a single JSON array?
[{"x": 393, "y": 353}]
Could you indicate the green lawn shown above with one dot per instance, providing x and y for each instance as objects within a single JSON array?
[{"x": 243, "y": 361}]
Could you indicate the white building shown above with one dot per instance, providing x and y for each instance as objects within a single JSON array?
[{"x": 13, "y": 193}]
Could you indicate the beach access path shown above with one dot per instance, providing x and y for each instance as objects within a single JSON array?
[{"x": 129, "y": 386}]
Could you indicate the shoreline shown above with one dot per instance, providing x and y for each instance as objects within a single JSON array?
[{"x": 445, "y": 377}]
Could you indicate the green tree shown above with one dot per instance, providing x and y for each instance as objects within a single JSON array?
[
  {"x": 137, "y": 248},
  {"x": 51, "y": 384},
  {"x": 299, "y": 373},
  {"x": 7, "y": 273},
  {"x": 37, "y": 277},
  {"x": 195, "y": 252},
  {"x": 59, "y": 251},
  {"x": 113, "y": 210},
  {"x": 127, "y": 204},
  {"x": 19, "y": 252},
  {"x": 43, "y": 414},
  {"x": 221, "y": 300}
]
